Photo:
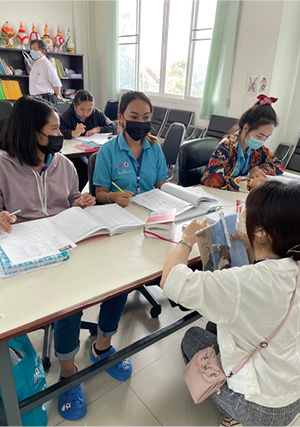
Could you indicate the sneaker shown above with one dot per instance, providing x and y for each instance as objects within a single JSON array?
[
  {"x": 71, "y": 404},
  {"x": 121, "y": 371},
  {"x": 228, "y": 422}
]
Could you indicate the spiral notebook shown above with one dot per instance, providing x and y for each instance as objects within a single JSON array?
[{"x": 11, "y": 269}]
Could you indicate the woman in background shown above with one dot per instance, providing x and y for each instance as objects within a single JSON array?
[{"x": 241, "y": 160}]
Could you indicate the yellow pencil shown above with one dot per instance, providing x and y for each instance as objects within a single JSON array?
[{"x": 115, "y": 185}]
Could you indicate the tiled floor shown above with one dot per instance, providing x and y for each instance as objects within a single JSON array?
[{"x": 155, "y": 394}]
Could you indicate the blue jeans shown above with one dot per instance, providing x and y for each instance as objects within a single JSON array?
[{"x": 67, "y": 330}]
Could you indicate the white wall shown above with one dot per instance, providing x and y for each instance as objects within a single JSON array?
[{"x": 268, "y": 42}]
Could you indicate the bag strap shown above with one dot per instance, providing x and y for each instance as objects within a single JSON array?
[{"x": 265, "y": 343}]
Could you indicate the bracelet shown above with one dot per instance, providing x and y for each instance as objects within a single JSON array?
[
  {"x": 108, "y": 198},
  {"x": 186, "y": 244}
]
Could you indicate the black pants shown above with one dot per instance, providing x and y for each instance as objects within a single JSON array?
[{"x": 49, "y": 97}]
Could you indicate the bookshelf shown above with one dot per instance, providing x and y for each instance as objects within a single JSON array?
[{"x": 14, "y": 58}]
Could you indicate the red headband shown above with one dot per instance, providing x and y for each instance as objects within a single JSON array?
[{"x": 266, "y": 100}]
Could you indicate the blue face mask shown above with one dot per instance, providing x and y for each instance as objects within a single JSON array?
[
  {"x": 254, "y": 143},
  {"x": 34, "y": 55}
]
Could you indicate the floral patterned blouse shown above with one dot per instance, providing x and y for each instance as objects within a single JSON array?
[{"x": 221, "y": 167}]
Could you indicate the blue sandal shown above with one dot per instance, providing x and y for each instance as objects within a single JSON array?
[
  {"x": 71, "y": 404},
  {"x": 121, "y": 371}
]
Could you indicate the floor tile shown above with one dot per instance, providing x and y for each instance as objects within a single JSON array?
[
  {"x": 162, "y": 389},
  {"x": 119, "y": 407}
]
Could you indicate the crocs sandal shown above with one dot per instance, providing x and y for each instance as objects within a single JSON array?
[
  {"x": 121, "y": 371},
  {"x": 71, "y": 404}
]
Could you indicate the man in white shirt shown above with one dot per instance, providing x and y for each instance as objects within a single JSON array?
[{"x": 43, "y": 78}]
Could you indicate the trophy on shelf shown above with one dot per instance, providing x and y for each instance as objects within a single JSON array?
[
  {"x": 22, "y": 37},
  {"x": 47, "y": 39},
  {"x": 69, "y": 42},
  {"x": 59, "y": 42},
  {"x": 34, "y": 35},
  {"x": 7, "y": 34}
]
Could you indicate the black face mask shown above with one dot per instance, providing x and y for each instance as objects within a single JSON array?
[
  {"x": 137, "y": 130},
  {"x": 55, "y": 144}
]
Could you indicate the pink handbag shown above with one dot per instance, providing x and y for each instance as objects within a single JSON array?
[{"x": 204, "y": 376}]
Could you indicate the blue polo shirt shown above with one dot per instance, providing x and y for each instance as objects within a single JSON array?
[
  {"x": 116, "y": 163},
  {"x": 242, "y": 161}
]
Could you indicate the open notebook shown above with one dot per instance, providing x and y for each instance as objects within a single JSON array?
[
  {"x": 188, "y": 201},
  {"x": 79, "y": 224}
]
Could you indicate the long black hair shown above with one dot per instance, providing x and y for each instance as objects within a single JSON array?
[{"x": 18, "y": 136}]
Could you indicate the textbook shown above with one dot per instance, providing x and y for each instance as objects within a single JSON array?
[
  {"x": 218, "y": 250},
  {"x": 79, "y": 224},
  {"x": 161, "y": 225},
  {"x": 187, "y": 201},
  {"x": 7, "y": 268}
]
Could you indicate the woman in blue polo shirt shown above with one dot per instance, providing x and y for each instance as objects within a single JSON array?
[{"x": 134, "y": 159}]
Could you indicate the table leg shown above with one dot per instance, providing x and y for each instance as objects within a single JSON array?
[{"x": 8, "y": 388}]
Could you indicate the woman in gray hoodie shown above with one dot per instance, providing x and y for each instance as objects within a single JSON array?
[{"x": 38, "y": 180}]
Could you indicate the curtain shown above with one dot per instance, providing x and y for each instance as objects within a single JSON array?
[
  {"x": 219, "y": 68},
  {"x": 112, "y": 48}
]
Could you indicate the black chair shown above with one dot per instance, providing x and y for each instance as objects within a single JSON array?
[
  {"x": 283, "y": 152},
  {"x": 111, "y": 109},
  {"x": 159, "y": 118},
  {"x": 5, "y": 109},
  {"x": 63, "y": 106},
  {"x": 194, "y": 156},
  {"x": 220, "y": 126},
  {"x": 170, "y": 147},
  {"x": 294, "y": 162},
  {"x": 177, "y": 116},
  {"x": 189, "y": 133},
  {"x": 156, "y": 307}
]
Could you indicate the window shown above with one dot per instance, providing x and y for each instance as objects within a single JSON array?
[{"x": 164, "y": 46}]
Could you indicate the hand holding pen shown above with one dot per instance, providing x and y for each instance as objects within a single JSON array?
[
  {"x": 80, "y": 128},
  {"x": 122, "y": 197},
  {"x": 6, "y": 219}
]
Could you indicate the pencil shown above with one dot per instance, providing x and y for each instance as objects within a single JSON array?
[{"x": 115, "y": 185}]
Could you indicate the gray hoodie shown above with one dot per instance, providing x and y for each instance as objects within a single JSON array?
[{"x": 37, "y": 195}]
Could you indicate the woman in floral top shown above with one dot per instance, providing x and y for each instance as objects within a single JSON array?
[{"x": 241, "y": 160}]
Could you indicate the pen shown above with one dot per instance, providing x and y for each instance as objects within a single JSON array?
[
  {"x": 115, "y": 185},
  {"x": 15, "y": 212},
  {"x": 225, "y": 229}
]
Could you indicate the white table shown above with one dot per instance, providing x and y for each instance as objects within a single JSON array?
[{"x": 99, "y": 268}]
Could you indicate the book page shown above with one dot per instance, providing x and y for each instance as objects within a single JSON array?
[
  {"x": 34, "y": 240},
  {"x": 115, "y": 218},
  {"x": 157, "y": 200},
  {"x": 76, "y": 223},
  {"x": 213, "y": 246},
  {"x": 193, "y": 195}
]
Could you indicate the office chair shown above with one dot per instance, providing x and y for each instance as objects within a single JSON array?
[
  {"x": 111, "y": 109},
  {"x": 283, "y": 152},
  {"x": 189, "y": 133},
  {"x": 220, "y": 126},
  {"x": 177, "y": 116},
  {"x": 159, "y": 118},
  {"x": 156, "y": 307},
  {"x": 194, "y": 156},
  {"x": 5, "y": 109},
  {"x": 170, "y": 147}
]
